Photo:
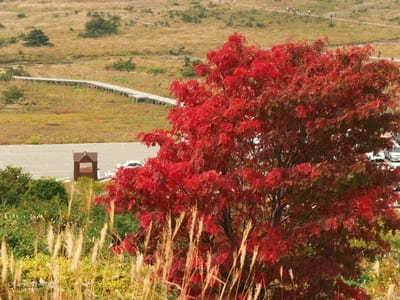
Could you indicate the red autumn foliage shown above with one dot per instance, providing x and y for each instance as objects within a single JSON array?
[{"x": 276, "y": 138}]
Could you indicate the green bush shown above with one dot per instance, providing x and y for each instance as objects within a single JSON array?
[
  {"x": 12, "y": 95},
  {"x": 156, "y": 71},
  {"x": 180, "y": 51},
  {"x": 98, "y": 26},
  {"x": 193, "y": 14},
  {"x": 187, "y": 70},
  {"x": 8, "y": 41},
  {"x": 46, "y": 200},
  {"x": 10, "y": 72},
  {"x": 21, "y": 16},
  {"x": 36, "y": 38},
  {"x": 13, "y": 185},
  {"x": 2, "y": 26},
  {"x": 122, "y": 65},
  {"x": 16, "y": 227},
  {"x": 46, "y": 190}
]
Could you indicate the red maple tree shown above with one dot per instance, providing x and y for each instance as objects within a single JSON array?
[{"x": 277, "y": 139}]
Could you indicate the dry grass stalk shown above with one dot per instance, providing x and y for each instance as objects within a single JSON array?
[
  {"x": 56, "y": 280},
  {"x": 57, "y": 246},
  {"x": 18, "y": 274},
  {"x": 168, "y": 255},
  {"x": 147, "y": 238},
  {"x": 190, "y": 257},
  {"x": 225, "y": 285},
  {"x": 249, "y": 278},
  {"x": 71, "y": 198},
  {"x": 139, "y": 263},
  {"x": 50, "y": 239},
  {"x": 95, "y": 250},
  {"x": 178, "y": 224},
  {"x": 390, "y": 292},
  {"x": 210, "y": 278},
  {"x": 146, "y": 287},
  {"x": 103, "y": 236},
  {"x": 291, "y": 275},
  {"x": 258, "y": 291},
  {"x": 232, "y": 283},
  {"x": 4, "y": 261},
  {"x": 69, "y": 242},
  {"x": 35, "y": 246},
  {"x": 243, "y": 248},
  {"x": 375, "y": 268},
  {"x": 112, "y": 212},
  {"x": 12, "y": 264},
  {"x": 77, "y": 253},
  {"x": 78, "y": 289},
  {"x": 89, "y": 199}
]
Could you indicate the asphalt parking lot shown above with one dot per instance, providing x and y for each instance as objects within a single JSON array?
[{"x": 56, "y": 161}]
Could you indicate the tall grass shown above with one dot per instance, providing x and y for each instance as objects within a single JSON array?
[{"x": 65, "y": 272}]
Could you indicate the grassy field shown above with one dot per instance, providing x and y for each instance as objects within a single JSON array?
[
  {"x": 157, "y": 35},
  {"x": 60, "y": 114}
]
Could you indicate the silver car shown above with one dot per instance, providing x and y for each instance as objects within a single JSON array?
[
  {"x": 378, "y": 157},
  {"x": 393, "y": 154}
]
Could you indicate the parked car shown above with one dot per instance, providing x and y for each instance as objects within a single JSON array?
[
  {"x": 393, "y": 154},
  {"x": 130, "y": 164},
  {"x": 378, "y": 157}
]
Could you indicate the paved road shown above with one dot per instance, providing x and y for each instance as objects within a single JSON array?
[{"x": 56, "y": 160}]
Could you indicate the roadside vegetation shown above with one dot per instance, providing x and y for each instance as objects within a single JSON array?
[{"x": 58, "y": 245}]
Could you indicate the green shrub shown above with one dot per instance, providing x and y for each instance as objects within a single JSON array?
[
  {"x": 194, "y": 14},
  {"x": 186, "y": 18},
  {"x": 12, "y": 95},
  {"x": 147, "y": 11},
  {"x": 181, "y": 50},
  {"x": 98, "y": 26},
  {"x": 122, "y": 65},
  {"x": 7, "y": 41},
  {"x": 21, "y": 16},
  {"x": 187, "y": 70},
  {"x": 10, "y": 72},
  {"x": 36, "y": 38},
  {"x": 13, "y": 185},
  {"x": 47, "y": 200},
  {"x": 2, "y": 26},
  {"x": 156, "y": 71},
  {"x": 46, "y": 190},
  {"x": 16, "y": 227}
]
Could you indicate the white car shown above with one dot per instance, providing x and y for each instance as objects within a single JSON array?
[
  {"x": 130, "y": 164},
  {"x": 378, "y": 157},
  {"x": 393, "y": 154}
]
